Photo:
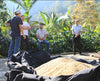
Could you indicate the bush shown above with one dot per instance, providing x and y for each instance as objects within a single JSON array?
[
  {"x": 91, "y": 42},
  {"x": 4, "y": 45},
  {"x": 61, "y": 40}
]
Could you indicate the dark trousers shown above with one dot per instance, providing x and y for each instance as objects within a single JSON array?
[
  {"x": 76, "y": 44},
  {"x": 24, "y": 42}
]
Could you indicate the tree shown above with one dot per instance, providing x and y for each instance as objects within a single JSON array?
[
  {"x": 3, "y": 13},
  {"x": 85, "y": 11},
  {"x": 26, "y": 5},
  {"x": 4, "y": 41},
  {"x": 3, "y": 17}
]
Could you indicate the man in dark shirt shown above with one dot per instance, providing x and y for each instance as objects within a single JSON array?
[{"x": 16, "y": 27}]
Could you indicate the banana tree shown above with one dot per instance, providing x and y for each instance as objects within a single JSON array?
[
  {"x": 97, "y": 29},
  {"x": 66, "y": 16},
  {"x": 26, "y": 5},
  {"x": 65, "y": 21},
  {"x": 51, "y": 18},
  {"x": 45, "y": 17},
  {"x": 62, "y": 21},
  {"x": 51, "y": 22}
]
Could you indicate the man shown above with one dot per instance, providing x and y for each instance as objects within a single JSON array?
[
  {"x": 76, "y": 30},
  {"x": 25, "y": 31},
  {"x": 41, "y": 35},
  {"x": 16, "y": 26}
]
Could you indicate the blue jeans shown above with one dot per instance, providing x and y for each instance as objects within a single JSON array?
[
  {"x": 44, "y": 42},
  {"x": 15, "y": 43}
]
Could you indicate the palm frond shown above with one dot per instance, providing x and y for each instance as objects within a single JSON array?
[{"x": 33, "y": 2}]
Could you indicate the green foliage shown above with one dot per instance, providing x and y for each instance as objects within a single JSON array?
[
  {"x": 90, "y": 42},
  {"x": 45, "y": 17},
  {"x": 86, "y": 11},
  {"x": 51, "y": 18},
  {"x": 60, "y": 35},
  {"x": 61, "y": 40},
  {"x": 97, "y": 30},
  {"x": 4, "y": 45},
  {"x": 58, "y": 32},
  {"x": 58, "y": 28},
  {"x": 3, "y": 13}
]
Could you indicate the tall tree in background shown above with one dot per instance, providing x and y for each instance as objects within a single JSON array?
[
  {"x": 3, "y": 12},
  {"x": 86, "y": 12},
  {"x": 26, "y": 5}
]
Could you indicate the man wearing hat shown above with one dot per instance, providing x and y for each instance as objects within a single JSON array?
[
  {"x": 76, "y": 30},
  {"x": 41, "y": 35},
  {"x": 16, "y": 26}
]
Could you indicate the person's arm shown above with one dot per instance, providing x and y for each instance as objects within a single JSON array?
[
  {"x": 21, "y": 29},
  {"x": 72, "y": 29},
  {"x": 20, "y": 26},
  {"x": 77, "y": 34},
  {"x": 26, "y": 27},
  {"x": 73, "y": 32},
  {"x": 38, "y": 37},
  {"x": 8, "y": 24}
]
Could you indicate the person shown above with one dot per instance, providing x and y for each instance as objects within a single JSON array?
[
  {"x": 76, "y": 30},
  {"x": 16, "y": 26},
  {"x": 25, "y": 31},
  {"x": 41, "y": 35}
]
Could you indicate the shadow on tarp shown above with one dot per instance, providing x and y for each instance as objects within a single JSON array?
[{"x": 93, "y": 62}]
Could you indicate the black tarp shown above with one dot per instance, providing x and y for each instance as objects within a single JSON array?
[
  {"x": 31, "y": 59},
  {"x": 20, "y": 70}
]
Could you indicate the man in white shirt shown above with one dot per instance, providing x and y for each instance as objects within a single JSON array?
[
  {"x": 25, "y": 31},
  {"x": 76, "y": 30},
  {"x": 41, "y": 35}
]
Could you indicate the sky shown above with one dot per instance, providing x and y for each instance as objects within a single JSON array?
[{"x": 40, "y": 5}]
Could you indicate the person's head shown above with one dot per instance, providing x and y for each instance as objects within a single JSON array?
[
  {"x": 41, "y": 25},
  {"x": 22, "y": 17},
  {"x": 18, "y": 13},
  {"x": 77, "y": 21}
]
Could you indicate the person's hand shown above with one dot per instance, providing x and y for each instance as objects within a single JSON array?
[
  {"x": 76, "y": 36},
  {"x": 43, "y": 38},
  {"x": 24, "y": 36},
  {"x": 23, "y": 26},
  {"x": 29, "y": 28}
]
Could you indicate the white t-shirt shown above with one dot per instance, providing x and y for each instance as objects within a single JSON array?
[
  {"x": 41, "y": 33},
  {"x": 76, "y": 29},
  {"x": 26, "y": 25}
]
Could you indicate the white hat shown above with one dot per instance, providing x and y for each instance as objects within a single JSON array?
[
  {"x": 76, "y": 20},
  {"x": 17, "y": 12}
]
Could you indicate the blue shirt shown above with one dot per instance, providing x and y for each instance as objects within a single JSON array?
[
  {"x": 14, "y": 23},
  {"x": 76, "y": 29}
]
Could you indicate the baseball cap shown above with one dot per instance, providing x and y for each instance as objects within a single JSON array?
[
  {"x": 17, "y": 12},
  {"x": 42, "y": 24},
  {"x": 77, "y": 20}
]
